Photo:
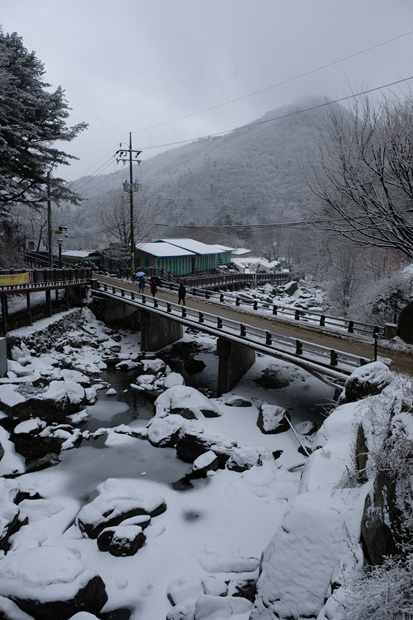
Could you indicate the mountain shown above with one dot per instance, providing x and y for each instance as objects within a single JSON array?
[{"x": 253, "y": 176}]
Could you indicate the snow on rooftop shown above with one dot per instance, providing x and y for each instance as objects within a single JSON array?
[
  {"x": 161, "y": 249},
  {"x": 78, "y": 253},
  {"x": 240, "y": 251},
  {"x": 195, "y": 246}
]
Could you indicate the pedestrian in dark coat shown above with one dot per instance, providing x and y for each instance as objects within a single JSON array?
[
  {"x": 142, "y": 284},
  {"x": 181, "y": 293},
  {"x": 154, "y": 286}
]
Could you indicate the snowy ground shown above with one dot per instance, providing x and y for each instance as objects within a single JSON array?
[{"x": 209, "y": 540}]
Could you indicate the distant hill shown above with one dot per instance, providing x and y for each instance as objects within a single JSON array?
[{"x": 251, "y": 176}]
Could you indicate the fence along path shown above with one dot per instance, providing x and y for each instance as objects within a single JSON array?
[
  {"x": 363, "y": 346},
  {"x": 316, "y": 357}
]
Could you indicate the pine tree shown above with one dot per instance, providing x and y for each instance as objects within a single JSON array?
[{"x": 32, "y": 119}]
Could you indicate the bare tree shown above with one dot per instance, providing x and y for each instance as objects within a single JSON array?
[
  {"x": 116, "y": 220},
  {"x": 364, "y": 176}
]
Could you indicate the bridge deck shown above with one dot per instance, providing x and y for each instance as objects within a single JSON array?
[{"x": 362, "y": 347}]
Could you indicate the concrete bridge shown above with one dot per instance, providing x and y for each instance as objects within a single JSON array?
[{"x": 238, "y": 339}]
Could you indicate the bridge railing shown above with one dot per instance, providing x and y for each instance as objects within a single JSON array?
[
  {"x": 341, "y": 362},
  {"x": 43, "y": 277},
  {"x": 221, "y": 279},
  {"x": 287, "y": 312}
]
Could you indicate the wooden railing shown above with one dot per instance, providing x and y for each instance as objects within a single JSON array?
[{"x": 39, "y": 278}]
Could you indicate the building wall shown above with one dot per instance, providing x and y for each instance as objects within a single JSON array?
[{"x": 182, "y": 265}]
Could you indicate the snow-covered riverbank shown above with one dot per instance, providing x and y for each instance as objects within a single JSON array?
[{"x": 198, "y": 550}]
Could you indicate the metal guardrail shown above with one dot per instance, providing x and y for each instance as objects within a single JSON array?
[
  {"x": 335, "y": 363},
  {"x": 295, "y": 314}
]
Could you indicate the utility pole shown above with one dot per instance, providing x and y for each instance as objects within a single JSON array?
[
  {"x": 49, "y": 222},
  {"x": 123, "y": 154}
]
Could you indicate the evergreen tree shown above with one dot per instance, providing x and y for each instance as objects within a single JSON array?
[{"x": 32, "y": 119}]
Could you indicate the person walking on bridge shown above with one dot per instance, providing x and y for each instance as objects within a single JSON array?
[
  {"x": 155, "y": 281},
  {"x": 181, "y": 293},
  {"x": 142, "y": 284}
]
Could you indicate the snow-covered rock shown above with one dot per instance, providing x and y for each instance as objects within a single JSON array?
[
  {"x": 272, "y": 419},
  {"x": 366, "y": 381},
  {"x": 164, "y": 432},
  {"x": 117, "y": 501},
  {"x": 121, "y": 540},
  {"x": 180, "y": 398},
  {"x": 63, "y": 586}
]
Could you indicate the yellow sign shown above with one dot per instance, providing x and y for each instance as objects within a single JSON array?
[{"x": 19, "y": 278}]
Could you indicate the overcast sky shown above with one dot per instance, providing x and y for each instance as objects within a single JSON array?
[{"x": 175, "y": 70}]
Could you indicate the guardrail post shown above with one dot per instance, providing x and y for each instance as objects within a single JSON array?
[
  {"x": 201, "y": 317},
  {"x": 168, "y": 307},
  {"x": 298, "y": 347},
  {"x": 255, "y": 306},
  {"x": 221, "y": 298},
  {"x": 155, "y": 302},
  {"x": 183, "y": 312},
  {"x": 333, "y": 358},
  {"x": 268, "y": 339},
  {"x": 322, "y": 320},
  {"x": 219, "y": 322},
  {"x": 206, "y": 294},
  {"x": 274, "y": 309},
  {"x": 143, "y": 299},
  {"x": 132, "y": 295},
  {"x": 243, "y": 330},
  {"x": 237, "y": 301},
  {"x": 350, "y": 327},
  {"x": 29, "y": 309},
  {"x": 122, "y": 292},
  {"x": 297, "y": 315}
]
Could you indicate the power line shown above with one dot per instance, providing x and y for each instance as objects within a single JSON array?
[
  {"x": 282, "y": 83},
  {"x": 282, "y": 116},
  {"x": 255, "y": 93}
]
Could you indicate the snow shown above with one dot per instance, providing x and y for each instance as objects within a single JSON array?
[
  {"x": 62, "y": 573},
  {"x": 295, "y": 509}
]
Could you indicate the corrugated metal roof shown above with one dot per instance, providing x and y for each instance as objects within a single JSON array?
[{"x": 163, "y": 250}]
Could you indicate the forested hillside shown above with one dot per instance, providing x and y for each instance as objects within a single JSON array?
[{"x": 251, "y": 176}]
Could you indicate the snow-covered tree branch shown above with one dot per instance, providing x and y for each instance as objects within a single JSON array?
[{"x": 365, "y": 174}]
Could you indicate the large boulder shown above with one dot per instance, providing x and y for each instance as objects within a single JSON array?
[
  {"x": 405, "y": 323},
  {"x": 117, "y": 501},
  {"x": 9, "y": 522},
  {"x": 368, "y": 380},
  {"x": 164, "y": 431},
  {"x": 35, "y": 442},
  {"x": 50, "y": 582},
  {"x": 272, "y": 419},
  {"x": 121, "y": 540},
  {"x": 181, "y": 398},
  {"x": 194, "y": 440},
  {"x": 380, "y": 527},
  {"x": 60, "y": 399}
]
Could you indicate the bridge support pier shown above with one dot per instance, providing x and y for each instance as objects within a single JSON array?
[
  {"x": 158, "y": 331},
  {"x": 113, "y": 311},
  {"x": 234, "y": 361}
]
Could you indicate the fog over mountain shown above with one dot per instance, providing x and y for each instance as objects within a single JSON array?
[{"x": 253, "y": 176}]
